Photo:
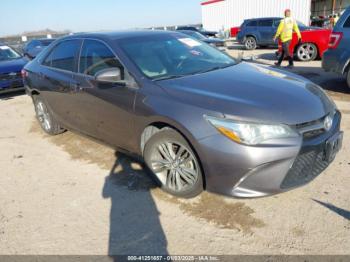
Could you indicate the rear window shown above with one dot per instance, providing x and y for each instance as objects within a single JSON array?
[
  {"x": 347, "y": 23},
  {"x": 62, "y": 56},
  {"x": 46, "y": 42},
  {"x": 252, "y": 23}
]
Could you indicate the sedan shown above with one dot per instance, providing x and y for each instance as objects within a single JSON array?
[
  {"x": 11, "y": 64},
  {"x": 34, "y": 47},
  {"x": 211, "y": 41},
  {"x": 199, "y": 30},
  {"x": 199, "y": 118}
]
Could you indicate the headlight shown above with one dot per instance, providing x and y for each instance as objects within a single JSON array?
[{"x": 250, "y": 133}]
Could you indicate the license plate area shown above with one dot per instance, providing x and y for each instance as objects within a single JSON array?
[{"x": 333, "y": 146}]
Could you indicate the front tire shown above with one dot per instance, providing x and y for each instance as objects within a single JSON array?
[
  {"x": 174, "y": 164},
  {"x": 45, "y": 118},
  {"x": 250, "y": 43},
  {"x": 307, "y": 52}
]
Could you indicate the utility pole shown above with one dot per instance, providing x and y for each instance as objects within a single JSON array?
[{"x": 334, "y": 6}]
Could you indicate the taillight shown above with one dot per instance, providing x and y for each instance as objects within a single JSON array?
[
  {"x": 24, "y": 73},
  {"x": 334, "y": 39}
]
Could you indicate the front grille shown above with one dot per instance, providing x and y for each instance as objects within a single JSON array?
[
  {"x": 311, "y": 129},
  {"x": 306, "y": 167},
  {"x": 8, "y": 76}
]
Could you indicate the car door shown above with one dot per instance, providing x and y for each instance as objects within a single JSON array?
[
  {"x": 266, "y": 29},
  {"x": 345, "y": 42},
  {"x": 106, "y": 110},
  {"x": 251, "y": 29},
  {"x": 57, "y": 83}
]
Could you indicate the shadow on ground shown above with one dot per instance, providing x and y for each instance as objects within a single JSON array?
[
  {"x": 134, "y": 219},
  {"x": 339, "y": 211},
  {"x": 11, "y": 95},
  {"x": 134, "y": 216}
]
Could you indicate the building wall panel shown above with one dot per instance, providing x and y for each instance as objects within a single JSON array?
[{"x": 230, "y": 13}]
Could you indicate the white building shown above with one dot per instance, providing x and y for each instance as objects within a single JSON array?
[{"x": 218, "y": 14}]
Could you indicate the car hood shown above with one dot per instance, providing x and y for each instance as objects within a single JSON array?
[
  {"x": 254, "y": 93},
  {"x": 14, "y": 65}
]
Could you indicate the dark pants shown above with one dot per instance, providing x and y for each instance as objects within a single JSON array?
[{"x": 286, "y": 53}]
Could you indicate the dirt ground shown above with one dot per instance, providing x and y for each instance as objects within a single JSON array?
[{"x": 69, "y": 195}]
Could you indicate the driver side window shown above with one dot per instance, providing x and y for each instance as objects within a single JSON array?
[{"x": 96, "y": 56}]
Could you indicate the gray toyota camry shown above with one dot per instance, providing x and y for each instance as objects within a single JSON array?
[{"x": 199, "y": 118}]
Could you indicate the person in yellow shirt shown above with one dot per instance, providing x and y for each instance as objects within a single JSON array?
[
  {"x": 336, "y": 18},
  {"x": 285, "y": 33}
]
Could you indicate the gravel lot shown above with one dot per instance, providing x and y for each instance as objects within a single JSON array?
[{"x": 69, "y": 195}]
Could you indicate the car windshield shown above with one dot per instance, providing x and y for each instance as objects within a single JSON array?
[
  {"x": 174, "y": 55},
  {"x": 7, "y": 53}
]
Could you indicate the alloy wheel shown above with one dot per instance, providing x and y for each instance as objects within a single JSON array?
[
  {"x": 43, "y": 115},
  {"x": 175, "y": 166},
  {"x": 250, "y": 43},
  {"x": 307, "y": 52}
]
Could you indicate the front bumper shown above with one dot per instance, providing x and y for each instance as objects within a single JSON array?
[
  {"x": 243, "y": 171},
  {"x": 11, "y": 85}
]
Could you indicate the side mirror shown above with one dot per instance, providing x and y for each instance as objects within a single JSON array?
[
  {"x": 110, "y": 75},
  {"x": 28, "y": 56}
]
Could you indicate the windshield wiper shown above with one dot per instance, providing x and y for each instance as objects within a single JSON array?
[
  {"x": 168, "y": 77},
  {"x": 194, "y": 73},
  {"x": 213, "y": 69}
]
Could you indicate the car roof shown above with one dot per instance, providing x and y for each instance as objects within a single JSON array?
[
  {"x": 119, "y": 34},
  {"x": 42, "y": 39},
  {"x": 187, "y": 31},
  {"x": 263, "y": 18}
]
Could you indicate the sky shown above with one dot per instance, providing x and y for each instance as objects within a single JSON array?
[{"x": 17, "y": 16}]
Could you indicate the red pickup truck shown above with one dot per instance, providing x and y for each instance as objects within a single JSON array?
[{"x": 313, "y": 44}]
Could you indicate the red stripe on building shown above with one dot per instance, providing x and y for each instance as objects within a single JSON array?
[{"x": 211, "y": 2}]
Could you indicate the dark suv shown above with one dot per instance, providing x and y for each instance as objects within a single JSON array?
[
  {"x": 337, "y": 57},
  {"x": 260, "y": 32},
  {"x": 199, "y": 118}
]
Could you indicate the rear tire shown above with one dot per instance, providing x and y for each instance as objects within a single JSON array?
[
  {"x": 45, "y": 118},
  {"x": 307, "y": 52},
  {"x": 173, "y": 164},
  {"x": 250, "y": 43}
]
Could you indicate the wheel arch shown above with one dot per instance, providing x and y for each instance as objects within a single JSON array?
[
  {"x": 346, "y": 67},
  {"x": 251, "y": 35}
]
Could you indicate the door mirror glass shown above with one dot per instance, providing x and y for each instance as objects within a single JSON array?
[{"x": 110, "y": 75}]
